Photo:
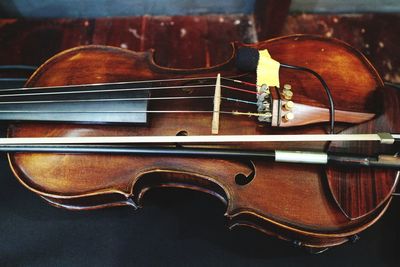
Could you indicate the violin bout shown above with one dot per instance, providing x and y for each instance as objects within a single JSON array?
[
  {"x": 361, "y": 191},
  {"x": 308, "y": 205}
]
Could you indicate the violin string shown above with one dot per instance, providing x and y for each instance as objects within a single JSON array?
[
  {"x": 239, "y": 81},
  {"x": 125, "y": 99},
  {"x": 107, "y": 90},
  {"x": 235, "y": 113},
  {"x": 114, "y": 111},
  {"x": 125, "y": 83},
  {"x": 240, "y": 89},
  {"x": 105, "y": 84},
  {"x": 127, "y": 90},
  {"x": 105, "y": 100}
]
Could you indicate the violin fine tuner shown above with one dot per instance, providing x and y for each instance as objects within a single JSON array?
[
  {"x": 264, "y": 102},
  {"x": 287, "y": 93},
  {"x": 288, "y": 106}
]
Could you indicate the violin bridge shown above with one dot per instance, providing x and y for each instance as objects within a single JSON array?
[{"x": 217, "y": 106}]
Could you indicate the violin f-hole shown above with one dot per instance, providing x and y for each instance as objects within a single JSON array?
[{"x": 243, "y": 179}]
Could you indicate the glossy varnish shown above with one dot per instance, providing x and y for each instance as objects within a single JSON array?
[{"x": 286, "y": 200}]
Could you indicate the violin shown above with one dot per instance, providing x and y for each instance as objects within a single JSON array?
[{"x": 311, "y": 159}]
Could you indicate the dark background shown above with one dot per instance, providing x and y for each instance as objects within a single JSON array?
[{"x": 177, "y": 227}]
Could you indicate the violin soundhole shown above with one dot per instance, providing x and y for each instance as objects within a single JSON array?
[
  {"x": 182, "y": 133},
  {"x": 242, "y": 179}
]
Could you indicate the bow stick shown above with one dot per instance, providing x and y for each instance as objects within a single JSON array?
[
  {"x": 384, "y": 138},
  {"x": 122, "y": 145}
]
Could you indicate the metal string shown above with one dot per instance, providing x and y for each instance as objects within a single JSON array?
[
  {"x": 127, "y": 90},
  {"x": 236, "y": 113},
  {"x": 124, "y": 99},
  {"x": 127, "y": 111},
  {"x": 124, "y": 83},
  {"x": 106, "y": 90},
  {"x": 105, "y": 99}
]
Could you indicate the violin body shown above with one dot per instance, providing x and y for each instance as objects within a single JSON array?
[{"x": 305, "y": 204}]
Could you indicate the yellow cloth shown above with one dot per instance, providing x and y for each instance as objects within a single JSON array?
[{"x": 267, "y": 70}]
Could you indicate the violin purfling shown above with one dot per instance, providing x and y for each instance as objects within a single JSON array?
[{"x": 104, "y": 92}]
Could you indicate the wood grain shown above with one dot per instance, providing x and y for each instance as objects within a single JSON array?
[
  {"x": 323, "y": 224},
  {"x": 293, "y": 201},
  {"x": 358, "y": 191}
]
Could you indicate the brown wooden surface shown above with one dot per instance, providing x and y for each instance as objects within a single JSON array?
[
  {"x": 375, "y": 35},
  {"x": 356, "y": 189},
  {"x": 179, "y": 41},
  {"x": 270, "y": 17},
  {"x": 34, "y": 41}
]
